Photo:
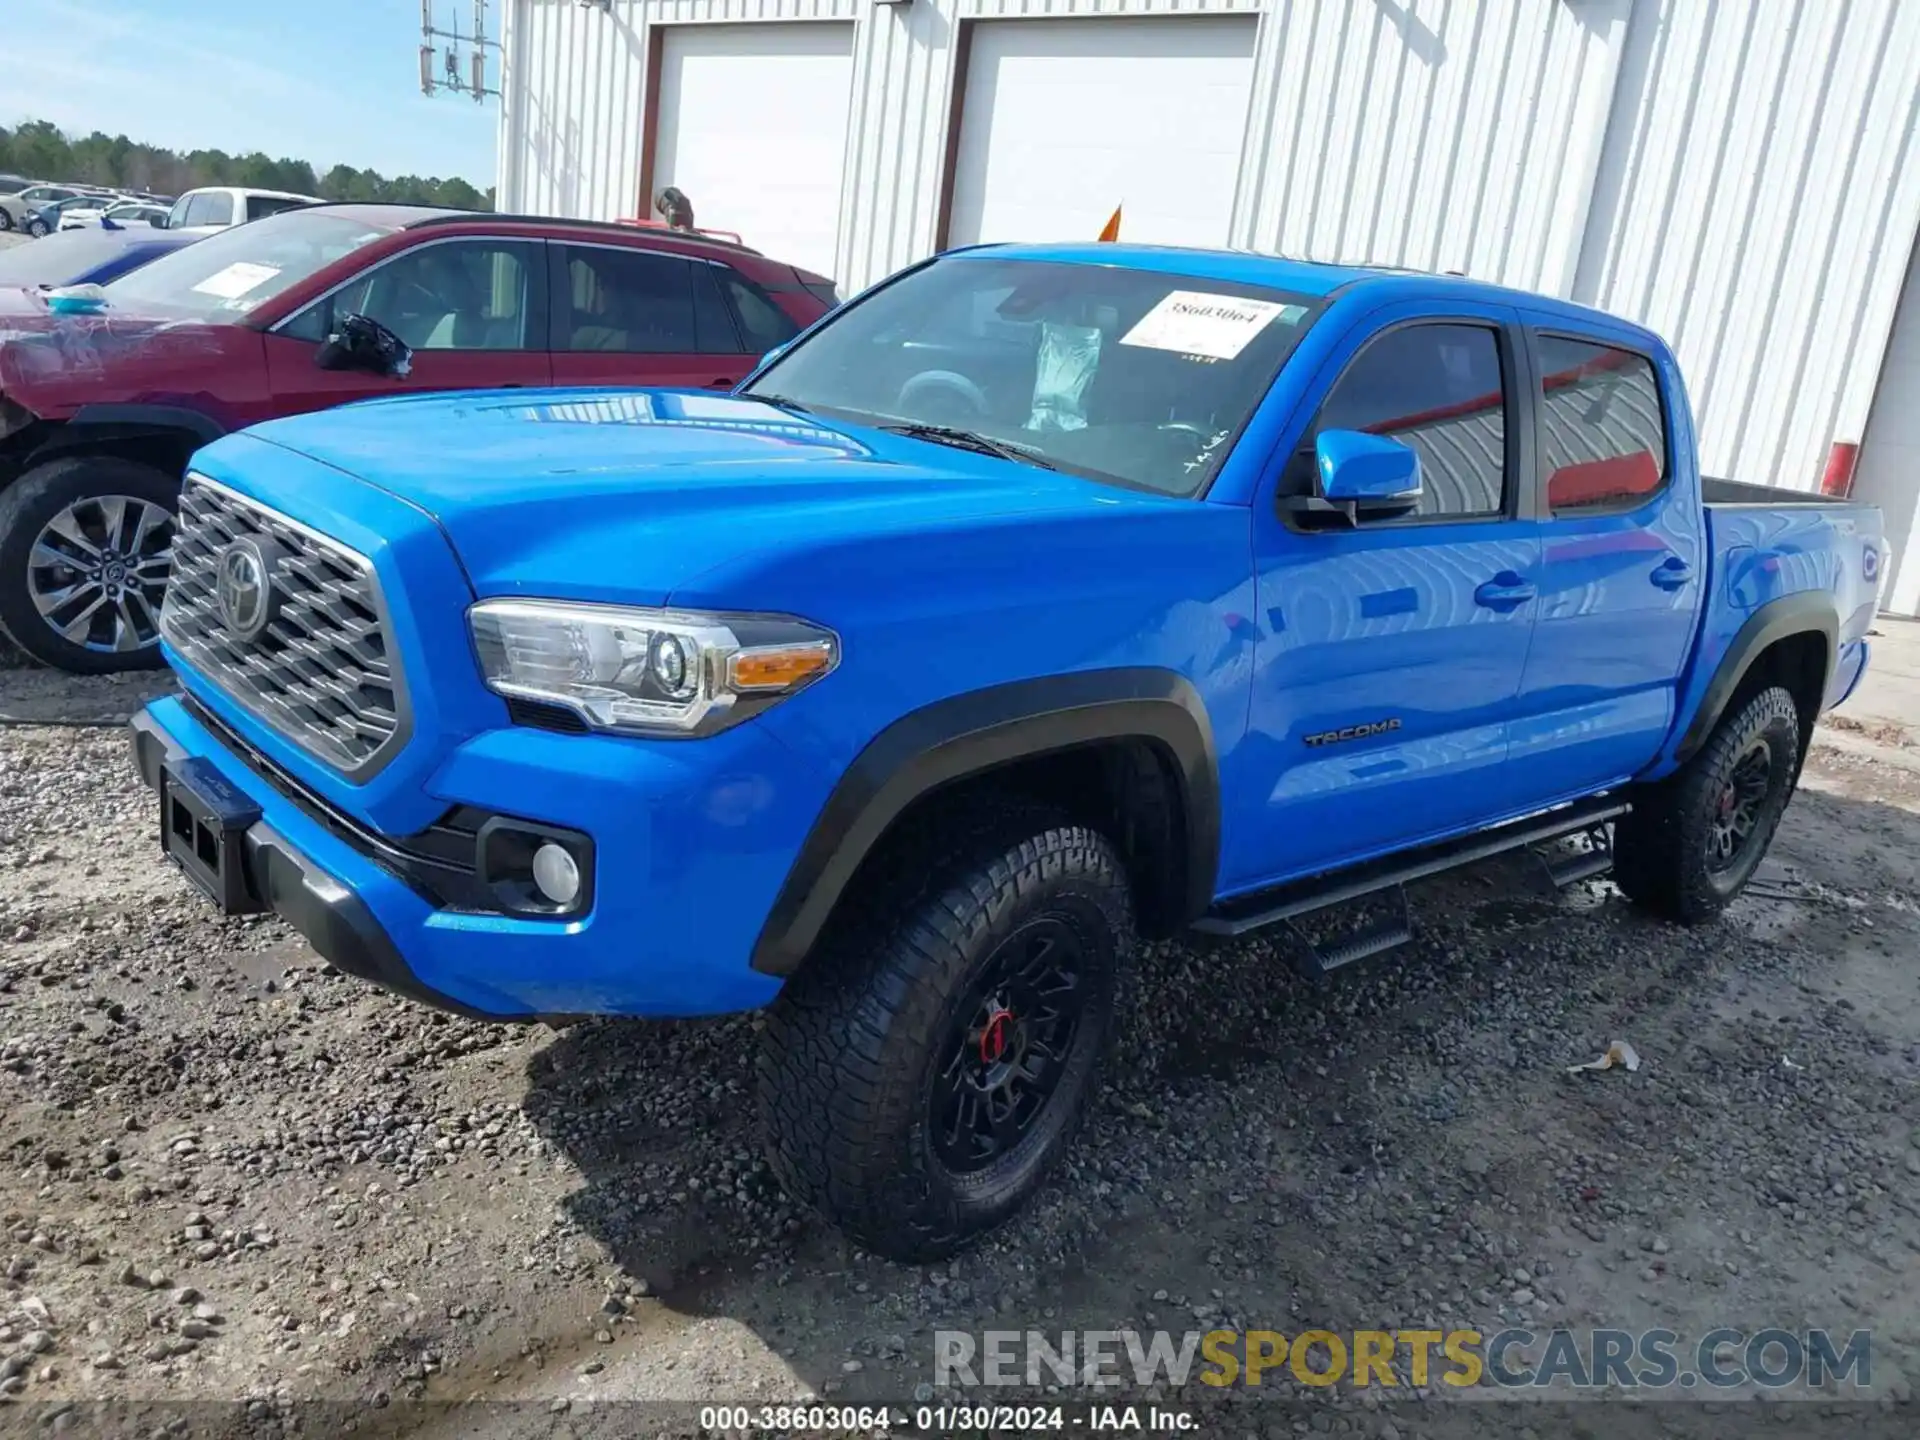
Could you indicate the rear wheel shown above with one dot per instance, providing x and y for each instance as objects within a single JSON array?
[
  {"x": 86, "y": 545},
  {"x": 6, "y": 220},
  {"x": 1694, "y": 839},
  {"x": 917, "y": 1085}
]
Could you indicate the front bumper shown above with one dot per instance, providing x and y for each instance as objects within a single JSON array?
[
  {"x": 639, "y": 951},
  {"x": 290, "y": 883}
]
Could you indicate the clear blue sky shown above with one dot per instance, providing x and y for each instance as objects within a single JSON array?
[{"x": 326, "y": 81}]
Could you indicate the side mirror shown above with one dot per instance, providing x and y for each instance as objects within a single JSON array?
[
  {"x": 1356, "y": 474},
  {"x": 362, "y": 343}
]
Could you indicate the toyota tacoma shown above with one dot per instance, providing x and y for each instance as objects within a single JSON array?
[{"x": 1039, "y": 599}]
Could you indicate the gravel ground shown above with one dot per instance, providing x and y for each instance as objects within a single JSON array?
[{"x": 228, "y": 1172}]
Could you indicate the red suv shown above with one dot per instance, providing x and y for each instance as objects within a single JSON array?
[{"x": 306, "y": 309}]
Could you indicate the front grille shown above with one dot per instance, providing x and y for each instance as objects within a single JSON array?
[{"x": 322, "y": 672}]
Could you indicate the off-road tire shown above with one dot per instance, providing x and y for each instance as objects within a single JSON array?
[
  {"x": 851, "y": 1051},
  {"x": 25, "y": 507},
  {"x": 1663, "y": 858}
]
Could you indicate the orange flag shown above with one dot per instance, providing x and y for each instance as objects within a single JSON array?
[{"x": 1111, "y": 232}]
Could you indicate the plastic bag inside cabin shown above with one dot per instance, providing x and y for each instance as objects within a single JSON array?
[{"x": 1064, "y": 367}]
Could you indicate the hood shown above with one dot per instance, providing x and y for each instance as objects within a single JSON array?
[
  {"x": 53, "y": 363},
  {"x": 630, "y": 495}
]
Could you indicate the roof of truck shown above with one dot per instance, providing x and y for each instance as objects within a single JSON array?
[{"x": 1301, "y": 277}]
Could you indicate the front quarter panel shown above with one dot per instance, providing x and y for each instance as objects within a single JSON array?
[{"x": 1127, "y": 582}]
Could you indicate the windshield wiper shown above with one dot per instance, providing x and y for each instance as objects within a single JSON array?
[
  {"x": 971, "y": 440},
  {"x": 779, "y": 402}
]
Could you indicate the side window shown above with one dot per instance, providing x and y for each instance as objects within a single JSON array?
[
  {"x": 763, "y": 324},
  {"x": 631, "y": 302},
  {"x": 456, "y": 295},
  {"x": 712, "y": 321},
  {"x": 1438, "y": 390},
  {"x": 261, "y": 206},
  {"x": 1603, "y": 435},
  {"x": 212, "y": 208}
]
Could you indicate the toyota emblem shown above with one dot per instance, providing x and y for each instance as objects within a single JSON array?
[{"x": 243, "y": 589}]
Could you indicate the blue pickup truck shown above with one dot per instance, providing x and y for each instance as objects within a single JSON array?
[{"x": 1040, "y": 598}]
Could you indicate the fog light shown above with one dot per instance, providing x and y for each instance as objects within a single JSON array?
[{"x": 555, "y": 874}]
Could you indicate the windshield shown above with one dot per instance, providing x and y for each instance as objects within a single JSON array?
[
  {"x": 228, "y": 274},
  {"x": 1137, "y": 377}
]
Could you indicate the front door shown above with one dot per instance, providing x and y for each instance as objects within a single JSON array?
[
  {"x": 1391, "y": 651},
  {"x": 472, "y": 309}
]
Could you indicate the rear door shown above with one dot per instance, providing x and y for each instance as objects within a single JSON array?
[
  {"x": 473, "y": 308},
  {"x": 1622, "y": 564},
  {"x": 625, "y": 315}
]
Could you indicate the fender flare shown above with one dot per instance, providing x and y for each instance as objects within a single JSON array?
[
  {"x": 1811, "y": 612},
  {"x": 92, "y": 423},
  {"x": 971, "y": 734}
]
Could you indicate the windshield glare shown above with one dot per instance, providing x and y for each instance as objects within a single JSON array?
[
  {"x": 1137, "y": 377},
  {"x": 228, "y": 274}
]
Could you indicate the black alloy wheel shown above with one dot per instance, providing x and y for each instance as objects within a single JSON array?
[{"x": 1008, "y": 1047}]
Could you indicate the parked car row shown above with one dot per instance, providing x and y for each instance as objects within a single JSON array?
[
  {"x": 311, "y": 308},
  {"x": 39, "y": 209}
]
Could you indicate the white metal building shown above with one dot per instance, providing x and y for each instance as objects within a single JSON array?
[{"x": 1740, "y": 174}]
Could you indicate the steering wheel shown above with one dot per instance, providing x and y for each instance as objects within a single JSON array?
[
  {"x": 1185, "y": 427},
  {"x": 943, "y": 392}
]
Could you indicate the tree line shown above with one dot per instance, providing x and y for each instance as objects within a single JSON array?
[{"x": 41, "y": 151}]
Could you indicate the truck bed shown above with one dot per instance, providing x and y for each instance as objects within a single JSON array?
[
  {"x": 1768, "y": 545},
  {"x": 1724, "y": 493}
]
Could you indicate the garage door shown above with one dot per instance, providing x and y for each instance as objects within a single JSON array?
[
  {"x": 1064, "y": 119},
  {"x": 752, "y": 125}
]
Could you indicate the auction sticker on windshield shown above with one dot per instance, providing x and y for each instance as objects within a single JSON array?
[
  {"x": 237, "y": 279},
  {"x": 1218, "y": 327}
]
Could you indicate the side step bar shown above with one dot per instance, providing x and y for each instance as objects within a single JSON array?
[{"x": 1286, "y": 903}]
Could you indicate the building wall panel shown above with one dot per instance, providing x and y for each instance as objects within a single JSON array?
[
  {"x": 1756, "y": 204},
  {"x": 1435, "y": 135}
]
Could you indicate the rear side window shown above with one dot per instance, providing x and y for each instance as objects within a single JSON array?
[
  {"x": 1603, "y": 434},
  {"x": 1438, "y": 390},
  {"x": 259, "y": 206},
  {"x": 712, "y": 321},
  {"x": 763, "y": 324},
  {"x": 630, "y": 302}
]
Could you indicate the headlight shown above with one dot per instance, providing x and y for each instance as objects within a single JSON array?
[{"x": 647, "y": 672}]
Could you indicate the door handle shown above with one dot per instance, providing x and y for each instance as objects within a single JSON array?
[
  {"x": 721, "y": 384},
  {"x": 1506, "y": 591},
  {"x": 1672, "y": 573}
]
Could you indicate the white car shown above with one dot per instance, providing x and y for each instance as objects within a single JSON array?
[
  {"x": 215, "y": 207},
  {"x": 120, "y": 210}
]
